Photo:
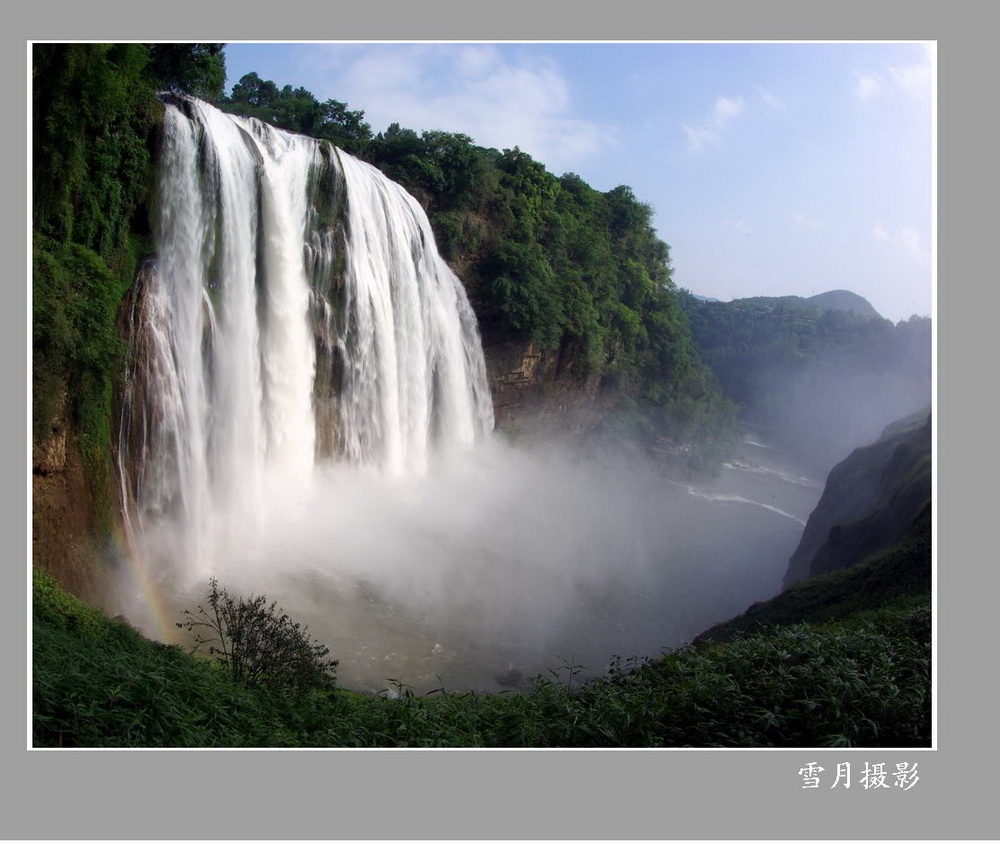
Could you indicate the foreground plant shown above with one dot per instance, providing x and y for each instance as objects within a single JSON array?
[{"x": 258, "y": 644}]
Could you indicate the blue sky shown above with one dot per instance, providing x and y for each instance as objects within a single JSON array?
[{"x": 772, "y": 168}]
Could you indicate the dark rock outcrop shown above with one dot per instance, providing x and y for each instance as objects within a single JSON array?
[
  {"x": 537, "y": 391},
  {"x": 871, "y": 501}
]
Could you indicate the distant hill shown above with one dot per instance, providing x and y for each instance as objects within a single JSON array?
[
  {"x": 819, "y": 376},
  {"x": 832, "y": 300},
  {"x": 843, "y": 300}
]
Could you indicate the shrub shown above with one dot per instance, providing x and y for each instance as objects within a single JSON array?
[
  {"x": 523, "y": 293},
  {"x": 258, "y": 644}
]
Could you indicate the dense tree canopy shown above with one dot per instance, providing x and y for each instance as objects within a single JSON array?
[
  {"x": 196, "y": 69},
  {"x": 752, "y": 344},
  {"x": 297, "y": 110}
]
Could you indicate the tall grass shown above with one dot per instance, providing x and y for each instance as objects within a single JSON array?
[{"x": 98, "y": 683}]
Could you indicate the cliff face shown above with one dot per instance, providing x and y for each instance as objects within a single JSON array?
[
  {"x": 535, "y": 391},
  {"x": 63, "y": 517},
  {"x": 872, "y": 500}
]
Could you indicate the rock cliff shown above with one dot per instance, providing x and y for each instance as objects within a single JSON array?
[{"x": 872, "y": 500}]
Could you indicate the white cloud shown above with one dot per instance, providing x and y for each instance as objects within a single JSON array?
[
  {"x": 905, "y": 241},
  {"x": 804, "y": 221},
  {"x": 868, "y": 86},
  {"x": 699, "y": 137},
  {"x": 912, "y": 243},
  {"x": 726, "y": 108},
  {"x": 711, "y": 131},
  {"x": 740, "y": 226},
  {"x": 915, "y": 79},
  {"x": 769, "y": 99},
  {"x": 500, "y": 98}
]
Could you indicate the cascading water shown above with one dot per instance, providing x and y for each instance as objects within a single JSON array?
[
  {"x": 297, "y": 310},
  {"x": 415, "y": 368}
]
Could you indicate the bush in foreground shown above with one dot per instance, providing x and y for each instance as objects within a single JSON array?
[{"x": 257, "y": 644}]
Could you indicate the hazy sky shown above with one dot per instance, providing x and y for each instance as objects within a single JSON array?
[{"x": 772, "y": 168}]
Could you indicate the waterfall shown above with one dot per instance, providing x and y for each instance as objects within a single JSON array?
[
  {"x": 297, "y": 312},
  {"x": 301, "y": 367}
]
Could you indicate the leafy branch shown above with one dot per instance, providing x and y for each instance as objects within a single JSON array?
[{"x": 257, "y": 643}]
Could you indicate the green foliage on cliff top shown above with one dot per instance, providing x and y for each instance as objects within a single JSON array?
[
  {"x": 297, "y": 110},
  {"x": 92, "y": 107},
  {"x": 579, "y": 272},
  {"x": 196, "y": 69}
]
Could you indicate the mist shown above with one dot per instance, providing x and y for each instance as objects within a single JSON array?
[
  {"x": 498, "y": 563},
  {"x": 838, "y": 404}
]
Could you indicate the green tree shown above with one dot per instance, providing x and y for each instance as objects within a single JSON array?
[
  {"x": 524, "y": 292},
  {"x": 343, "y": 126},
  {"x": 298, "y": 110},
  {"x": 196, "y": 69},
  {"x": 253, "y": 91}
]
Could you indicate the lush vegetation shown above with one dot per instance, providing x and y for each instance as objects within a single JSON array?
[
  {"x": 94, "y": 113},
  {"x": 297, "y": 110},
  {"x": 577, "y": 272},
  {"x": 863, "y": 679}
]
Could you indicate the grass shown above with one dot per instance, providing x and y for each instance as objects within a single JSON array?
[
  {"x": 860, "y": 682},
  {"x": 895, "y": 578}
]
